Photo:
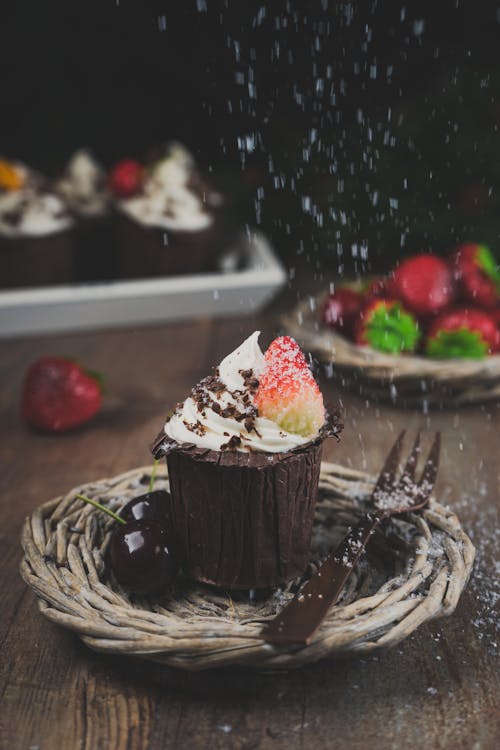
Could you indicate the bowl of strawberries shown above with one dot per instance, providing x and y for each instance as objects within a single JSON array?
[{"x": 427, "y": 332}]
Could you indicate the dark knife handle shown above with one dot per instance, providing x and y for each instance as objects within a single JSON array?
[{"x": 299, "y": 620}]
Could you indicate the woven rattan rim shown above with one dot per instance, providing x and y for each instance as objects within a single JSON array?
[
  {"x": 197, "y": 627},
  {"x": 411, "y": 379}
]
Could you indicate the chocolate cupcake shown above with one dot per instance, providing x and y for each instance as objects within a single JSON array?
[
  {"x": 84, "y": 189},
  {"x": 168, "y": 218},
  {"x": 36, "y": 242},
  {"x": 243, "y": 454}
]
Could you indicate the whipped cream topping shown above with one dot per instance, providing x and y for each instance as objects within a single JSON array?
[
  {"x": 169, "y": 199},
  {"x": 83, "y": 185},
  {"x": 220, "y": 413},
  {"x": 33, "y": 210}
]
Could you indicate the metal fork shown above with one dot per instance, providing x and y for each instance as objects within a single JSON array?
[{"x": 299, "y": 620}]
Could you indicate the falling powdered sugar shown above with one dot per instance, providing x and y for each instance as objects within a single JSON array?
[{"x": 484, "y": 532}]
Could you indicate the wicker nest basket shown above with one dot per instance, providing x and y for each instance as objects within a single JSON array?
[
  {"x": 415, "y": 572},
  {"x": 403, "y": 379}
]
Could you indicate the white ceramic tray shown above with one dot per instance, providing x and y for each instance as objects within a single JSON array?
[{"x": 86, "y": 306}]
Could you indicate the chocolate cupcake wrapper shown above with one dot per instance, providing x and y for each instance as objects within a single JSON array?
[
  {"x": 243, "y": 520},
  {"x": 40, "y": 260},
  {"x": 144, "y": 251}
]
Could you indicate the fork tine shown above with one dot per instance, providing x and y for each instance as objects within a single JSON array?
[
  {"x": 430, "y": 470},
  {"x": 386, "y": 477},
  {"x": 411, "y": 463}
]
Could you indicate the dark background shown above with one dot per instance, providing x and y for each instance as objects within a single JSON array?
[{"x": 351, "y": 132}]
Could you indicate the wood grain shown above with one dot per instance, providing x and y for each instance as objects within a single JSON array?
[{"x": 438, "y": 689}]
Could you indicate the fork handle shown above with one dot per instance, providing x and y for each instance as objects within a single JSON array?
[{"x": 299, "y": 620}]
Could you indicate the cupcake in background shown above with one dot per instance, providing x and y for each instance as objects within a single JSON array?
[
  {"x": 83, "y": 186},
  {"x": 244, "y": 453},
  {"x": 36, "y": 242},
  {"x": 169, "y": 218}
]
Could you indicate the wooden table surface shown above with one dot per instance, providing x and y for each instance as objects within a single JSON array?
[{"x": 438, "y": 689}]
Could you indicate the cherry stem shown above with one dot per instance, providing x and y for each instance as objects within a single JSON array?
[
  {"x": 153, "y": 475},
  {"x": 101, "y": 507}
]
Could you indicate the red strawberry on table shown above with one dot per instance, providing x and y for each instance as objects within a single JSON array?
[
  {"x": 341, "y": 309},
  {"x": 59, "y": 395},
  {"x": 287, "y": 392},
  {"x": 477, "y": 275},
  {"x": 424, "y": 284},
  {"x": 125, "y": 178},
  {"x": 464, "y": 332},
  {"x": 384, "y": 324}
]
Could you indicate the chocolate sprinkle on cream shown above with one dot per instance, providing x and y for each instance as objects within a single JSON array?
[
  {"x": 197, "y": 427},
  {"x": 231, "y": 444},
  {"x": 214, "y": 384},
  {"x": 201, "y": 396},
  {"x": 250, "y": 381}
]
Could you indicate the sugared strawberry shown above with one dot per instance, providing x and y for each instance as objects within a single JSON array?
[
  {"x": 287, "y": 392},
  {"x": 463, "y": 332},
  {"x": 126, "y": 178},
  {"x": 385, "y": 325},
  {"x": 477, "y": 275},
  {"x": 424, "y": 284},
  {"x": 58, "y": 395},
  {"x": 341, "y": 308}
]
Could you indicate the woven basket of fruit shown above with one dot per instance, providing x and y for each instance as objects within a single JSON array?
[
  {"x": 428, "y": 333},
  {"x": 77, "y": 565}
]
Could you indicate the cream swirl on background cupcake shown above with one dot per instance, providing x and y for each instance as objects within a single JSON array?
[
  {"x": 31, "y": 208},
  {"x": 83, "y": 186},
  {"x": 169, "y": 199},
  {"x": 221, "y": 412}
]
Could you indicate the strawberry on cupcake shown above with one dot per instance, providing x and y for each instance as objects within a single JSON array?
[
  {"x": 126, "y": 178},
  {"x": 288, "y": 394}
]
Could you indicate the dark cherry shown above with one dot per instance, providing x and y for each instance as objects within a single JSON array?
[
  {"x": 140, "y": 556},
  {"x": 153, "y": 506},
  {"x": 341, "y": 309}
]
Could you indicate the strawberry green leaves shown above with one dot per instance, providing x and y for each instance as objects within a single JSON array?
[
  {"x": 461, "y": 343},
  {"x": 388, "y": 327},
  {"x": 488, "y": 265}
]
